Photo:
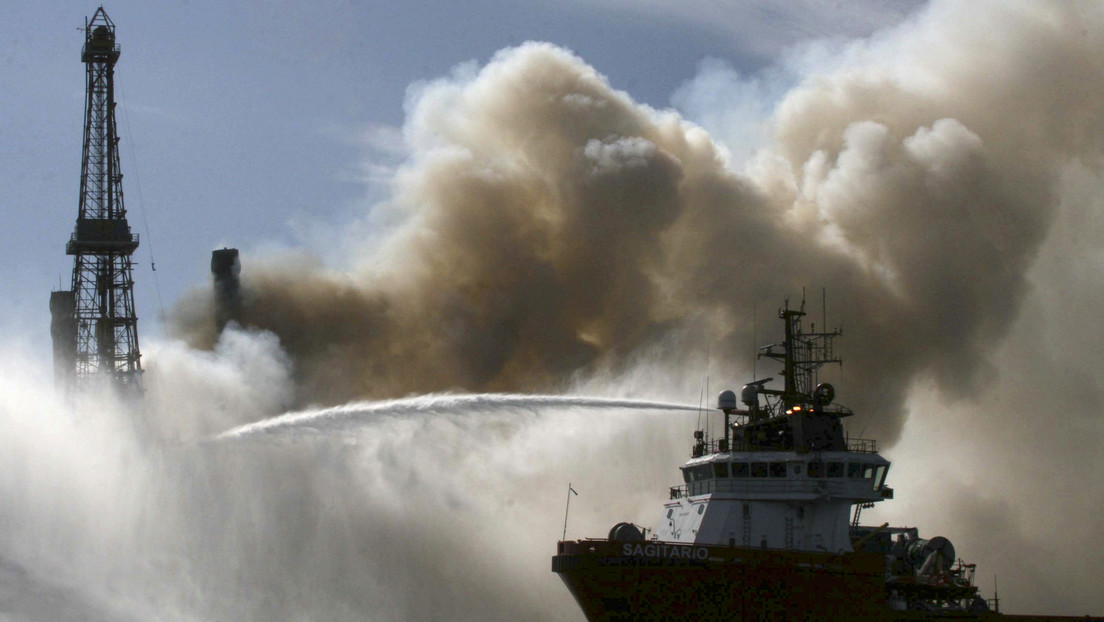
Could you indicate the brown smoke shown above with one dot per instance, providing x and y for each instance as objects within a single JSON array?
[{"x": 552, "y": 225}]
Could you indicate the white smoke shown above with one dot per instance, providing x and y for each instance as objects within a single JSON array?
[
  {"x": 246, "y": 377},
  {"x": 403, "y": 517}
]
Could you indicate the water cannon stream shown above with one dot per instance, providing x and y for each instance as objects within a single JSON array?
[{"x": 358, "y": 414}]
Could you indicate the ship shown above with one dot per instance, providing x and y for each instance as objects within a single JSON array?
[{"x": 765, "y": 524}]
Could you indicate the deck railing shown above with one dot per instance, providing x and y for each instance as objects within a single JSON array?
[
  {"x": 715, "y": 446},
  {"x": 862, "y": 445}
]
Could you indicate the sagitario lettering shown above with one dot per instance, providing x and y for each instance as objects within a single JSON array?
[{"x": 664, "y": 550}]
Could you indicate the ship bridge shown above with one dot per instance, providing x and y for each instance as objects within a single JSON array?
[
  {"x": 784, "y": 476},
  {"x": 778, "y": 500}
]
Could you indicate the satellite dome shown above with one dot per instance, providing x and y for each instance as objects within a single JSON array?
[{"x": 726, "y": 401}]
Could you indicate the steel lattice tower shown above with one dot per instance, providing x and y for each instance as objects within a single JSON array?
[{"x": 102, "y": 244}]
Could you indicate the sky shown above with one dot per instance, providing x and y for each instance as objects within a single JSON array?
[{"x": 594, "y": 198}]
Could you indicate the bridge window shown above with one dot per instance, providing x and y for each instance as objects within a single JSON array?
[
  {"x": 854, "y": 470},
  {"x": 697, "y": 473},
  {"x": 720, "y": 469},
  {"x": 835, "y": 469},
  {"x": 778, "y": 469},
  {"x": 816, "y": 468},
  {"x": 759, "y": 469},
  {"x": 739, "y": 469},
  {"x": 868, "y": 471},
  {"x": 879, "y": 476}
]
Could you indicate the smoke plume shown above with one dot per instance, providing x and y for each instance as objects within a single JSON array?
[{"x": 550, "y": 226}]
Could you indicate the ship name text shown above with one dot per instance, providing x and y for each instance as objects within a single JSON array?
[{"x": 664, "y": 550}]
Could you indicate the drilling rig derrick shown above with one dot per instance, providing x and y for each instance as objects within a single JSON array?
[{"x": 98, "y": 329}]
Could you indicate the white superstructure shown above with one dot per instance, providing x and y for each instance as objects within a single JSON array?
[{"x": 773, "y": 499}]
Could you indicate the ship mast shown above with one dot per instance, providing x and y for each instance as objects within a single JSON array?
[{"x": 802, "y": 355}]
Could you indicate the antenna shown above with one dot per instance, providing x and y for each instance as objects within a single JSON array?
[
  {"x": 707, "y": 428},
  {"x": 570, "y": 491},
  {"x": 701, "y": 405},
  {"x": 824, "y": 307},
  {"x": 754, "y": 338}
]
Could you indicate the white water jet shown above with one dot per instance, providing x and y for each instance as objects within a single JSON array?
[{"x": 359, "y": 414}]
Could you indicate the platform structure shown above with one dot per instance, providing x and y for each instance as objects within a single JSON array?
[{"x": 98, "y": 329}]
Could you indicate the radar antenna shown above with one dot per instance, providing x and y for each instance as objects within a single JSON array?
[{"x": 802, "y": 355}]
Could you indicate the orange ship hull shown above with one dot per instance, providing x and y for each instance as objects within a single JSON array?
[
  {"x": 645, "y": 581},
  {"x": 665, "y": 581}
]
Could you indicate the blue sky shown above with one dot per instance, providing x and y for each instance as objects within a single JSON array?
[{"x": 245, "y": 124}]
